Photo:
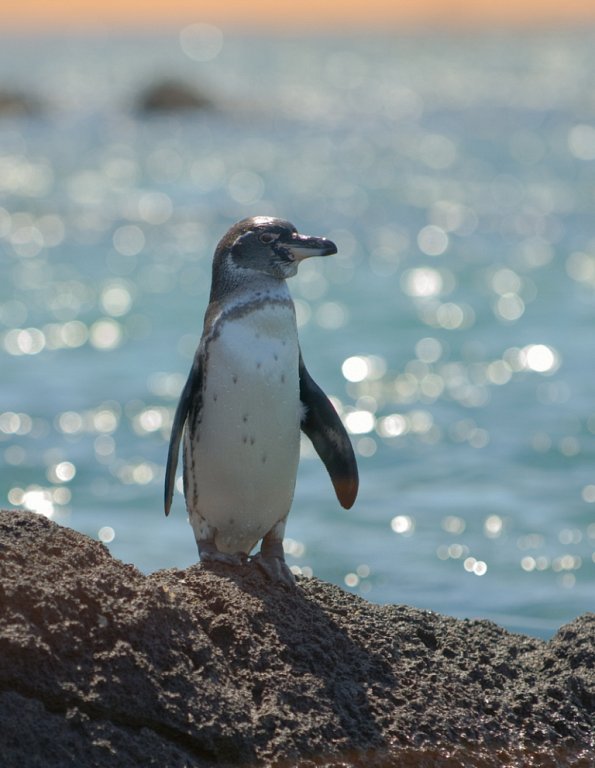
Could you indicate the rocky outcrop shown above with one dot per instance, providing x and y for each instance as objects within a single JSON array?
[
  {"x": 17, "y": 103},
  {"x": 172, "y": 96},
  {"x": 101, "y": 665}
]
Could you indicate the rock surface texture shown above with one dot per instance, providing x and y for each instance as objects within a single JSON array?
[{"x": 101, "y": 665}]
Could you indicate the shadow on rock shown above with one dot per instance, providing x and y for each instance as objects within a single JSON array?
[{"x": 300, "y": 665}]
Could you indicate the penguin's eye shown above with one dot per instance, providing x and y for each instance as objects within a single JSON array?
[{"x": 266, "y": 238}]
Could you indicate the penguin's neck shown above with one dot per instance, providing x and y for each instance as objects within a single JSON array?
[
  {"x": 256, "y": 292},
  {"x": 236, "y": 287}
]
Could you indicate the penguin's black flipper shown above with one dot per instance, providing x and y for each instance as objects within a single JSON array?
[
  {"x": 190, "y": 400},
  {"x": 322, "y": 425}
]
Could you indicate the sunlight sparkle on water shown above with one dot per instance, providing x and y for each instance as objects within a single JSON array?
[
  {"x": 581, "y": 141},
  {"x": 15, "y": 423},
  {"x": 70, "y": 422},
  {"x": 293, "y": 547},
  {"x": 422, "y": 282},
  {"x": 43, "y": 501},
  {"x": 63, "y": 472},
  {"x": 331, "y": 315},
  {"x": 104, "y": 420},
  {"x": 150, "y": 420},
  {"x": 478, "y": 567},
  {"x": 403, "y": 525},
  {"x": 69, "y": 335},
  {"x": 366, "y": 447},
  {"x": 106, "y": 534},
  {"x": 493, "y": 526},
  {"x": 116, "y": 298},
  {"x": 106, "y": 334},
  {"x": 509, "y": 307},
  {"x": 351, "y": 580},
  {"x": 355, "y": 369},
  {"x": 393, "y": 425},
  {"x": 141, "y": 473},
  {"x": 454, "y": 524},
  {"x": 358, "y": 368},
  {"x": 24, "y": 341},
  {"x": 359, "y": 422},
  {"x": 539, "y": 358},
  {"x": 428, "y": 350},
  {"x": 432, "y": 240},
  {"x": 129, "y": 240},
  {"x": 581, "y": 267}
]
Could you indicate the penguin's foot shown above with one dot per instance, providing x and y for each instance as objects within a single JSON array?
[
  {"x": 209, "y": 553},
  {"x": 224, "y": 557},
  {"x": 275, "y": 569}
]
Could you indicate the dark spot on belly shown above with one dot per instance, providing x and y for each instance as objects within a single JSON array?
[
  {"x": 244, "y": 439},
  {"x": 276, "y": 356},
  {"x": 215, "y": 396},
  {"x": 244, "y": 418},
  {"x": 282, "y": 378},
  {"x": 252, "y": 440},
  {"x": 264, "y": 458},
  {"x": 234, "y": 379},
  {"x": 258, "y": 364}
]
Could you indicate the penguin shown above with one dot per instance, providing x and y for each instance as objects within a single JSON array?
[{"x": 247, "y": 396}]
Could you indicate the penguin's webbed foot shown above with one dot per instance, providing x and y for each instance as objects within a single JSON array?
[
  {"x": 275, "y": 569},
  {"x": 223, "y": 557},
  {"x": 271, "y": 558},
  {"x": 209, "y": 553}
]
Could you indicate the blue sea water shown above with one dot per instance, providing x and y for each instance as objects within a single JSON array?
[{"x": 455, "y": 329}]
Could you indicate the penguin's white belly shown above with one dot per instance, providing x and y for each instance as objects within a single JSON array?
[{"x": 244, "y": 463}]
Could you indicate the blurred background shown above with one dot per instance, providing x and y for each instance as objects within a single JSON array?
[{"x": 449, "y": 150}]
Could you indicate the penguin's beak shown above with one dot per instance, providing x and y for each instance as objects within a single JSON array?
[{"x": 303, "y": 246}]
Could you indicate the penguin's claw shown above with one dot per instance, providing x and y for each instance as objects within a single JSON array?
[{"x": 275, "y": 569}]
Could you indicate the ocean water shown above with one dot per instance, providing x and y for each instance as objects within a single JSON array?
[{"x": 455, "y": 329}]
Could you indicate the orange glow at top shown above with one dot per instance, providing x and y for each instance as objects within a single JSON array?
[{"x": 307, "y": 14}]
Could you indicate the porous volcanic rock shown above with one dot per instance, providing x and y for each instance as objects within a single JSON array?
[{"x": 101, "y": 665}]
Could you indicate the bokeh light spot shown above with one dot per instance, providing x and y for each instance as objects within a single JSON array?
[
  {"x": 201, "y": 41},
  {"x": 404, "y": 525},
  {"x": 106, "y": 334},
  {"x": 106, "y": 534},
  {"x": 355, "y": 368},
  {"x": 432, "y": 240},
  {"x": 581, "y": 141},
  {"x": 129, "y": 240},
  {"x": 422, "y": 282},
  {"x": 539, "y": 358}
]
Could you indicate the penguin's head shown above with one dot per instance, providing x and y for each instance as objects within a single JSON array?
[{"x": 270, "y": 246}]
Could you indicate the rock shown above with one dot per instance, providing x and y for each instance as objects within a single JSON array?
[
  {"x": 16, "y": 104},
  {"x": 172, "y": 96},
  {"x": 103, "y": 666}
]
